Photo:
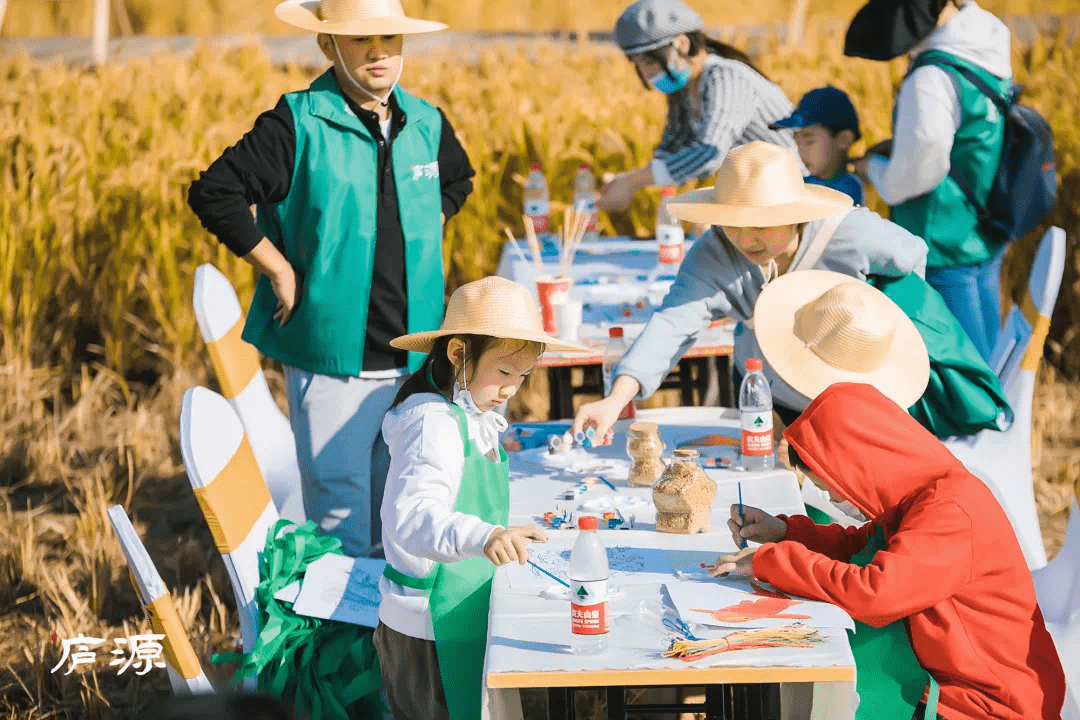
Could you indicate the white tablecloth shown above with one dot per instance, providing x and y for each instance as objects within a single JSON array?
[
  {"x": 531, "y": 634},
  {"x": 610, "y": 278}
]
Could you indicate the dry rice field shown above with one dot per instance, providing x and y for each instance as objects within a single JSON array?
[{"x": 98, "y": 340}]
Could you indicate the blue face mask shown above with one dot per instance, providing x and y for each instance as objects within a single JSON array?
[{"x": 673, "y": 80}]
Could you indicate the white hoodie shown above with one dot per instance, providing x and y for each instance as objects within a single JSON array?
[
  {"x": 928, "y": 111},
  {"x": 419, "y": 525}
]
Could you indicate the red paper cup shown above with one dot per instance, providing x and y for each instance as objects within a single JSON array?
[{"x": 552, "y": 291}]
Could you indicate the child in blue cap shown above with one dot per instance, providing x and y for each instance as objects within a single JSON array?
[{"x": 826, "y": 126}]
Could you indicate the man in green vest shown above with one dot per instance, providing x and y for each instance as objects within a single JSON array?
[
  {"x": 942, "y": 121},
  {"x": 352, "y": 179}
]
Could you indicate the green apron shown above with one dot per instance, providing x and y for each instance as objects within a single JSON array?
[
  {"x": 460, "y": 592},
  {"x": 890, "y": 680}
]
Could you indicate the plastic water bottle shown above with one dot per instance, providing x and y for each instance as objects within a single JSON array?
[
  {"x": 589, "y": 590},
  {"x": 755, "y": 407},
  {"x": 538, "y": 200},
  {"x": 613, "y": 353},
  {"x": 669, "y": 239},
  {"x": 585, "y": 199}
]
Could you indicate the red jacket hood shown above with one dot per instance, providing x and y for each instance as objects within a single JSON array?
[{"x": 867, "y": 448}]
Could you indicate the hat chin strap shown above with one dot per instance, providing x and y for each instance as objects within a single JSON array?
[{"x": 358, "y": 86}]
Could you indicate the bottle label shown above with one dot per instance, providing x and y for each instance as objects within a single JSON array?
[
  {"x": 669, "y": 239},
  {"x": 589, "y": 607},
  {"x": 757, "y": 433},
  {"x": 538, "y": 210}
]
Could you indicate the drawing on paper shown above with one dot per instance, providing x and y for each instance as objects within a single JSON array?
[
  {"x": 363, "y": 588},
  {"x": 627, "y": 565},
  {"x": 771, "y": 606},
  {"x": 733, "y": 602}
]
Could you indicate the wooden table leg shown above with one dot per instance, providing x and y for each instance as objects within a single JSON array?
[
  {"x": 718, "y": 702},
  {"x": 724, "y": 364},
  {"x": 560, "y": 393},
  {"x": 560, "y": 703},
  {"x": 616, "y": 703}
]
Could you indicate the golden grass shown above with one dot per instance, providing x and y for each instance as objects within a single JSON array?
[
  {"x": 203, "y": 17},
  {"x": 98, "y": 340}
]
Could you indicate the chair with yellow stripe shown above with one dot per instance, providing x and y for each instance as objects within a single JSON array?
[
  {"x": 230, "y": 491},
  {"x": 236, "y": 365},
  {"x": 1058, "y": 588},
  {"x": 185, "y": 672},
  {"x": 1003, "y": 459}
]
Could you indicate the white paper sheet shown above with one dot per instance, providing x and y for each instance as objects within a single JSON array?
[
  {"x": 338, "y": 587},
  {"x": 638, "y": 565},
  {"x": 738, "y": 602}
]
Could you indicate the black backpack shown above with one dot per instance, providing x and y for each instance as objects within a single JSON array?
[{"x": 1025, "y": 186}]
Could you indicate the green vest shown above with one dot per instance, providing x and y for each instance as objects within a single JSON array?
[
  {"x": 943, "y": 217},
  {"x": 326, "y": 228}
]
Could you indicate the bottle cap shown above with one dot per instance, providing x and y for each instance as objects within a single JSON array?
[
  {"x": 588, "y": 522},
  {"x": 685, "y": 453},
  {"x": 614, "y": 332},
  {"x": 753, "y": 364},
  {"x": 667, "y": 192},
  {"x": 535, "y": 167}
]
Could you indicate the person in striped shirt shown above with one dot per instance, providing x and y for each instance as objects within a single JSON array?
[{"x": 717, "y": 99}]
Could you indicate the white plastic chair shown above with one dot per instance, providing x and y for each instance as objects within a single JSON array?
[
  {"x": 236, "y": 365},
  {"x": 1003, "y": 459},
  {"x": 231, "y": 493},
  {"x": 1057, "y": 585},
  {"x": 185, "y": 671}
]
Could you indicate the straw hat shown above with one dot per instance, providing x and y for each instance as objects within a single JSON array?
[
  {"x": 759, "y": 185},
  {"x": 817, "y": 327},
  {"x": 491, "y": 306},
  {"x": 353, "y": 17}
]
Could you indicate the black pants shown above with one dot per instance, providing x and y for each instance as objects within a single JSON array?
[{"x": 410, "y": 671}]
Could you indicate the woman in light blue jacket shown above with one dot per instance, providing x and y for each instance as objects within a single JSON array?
[{"x": 765, "y": 222}]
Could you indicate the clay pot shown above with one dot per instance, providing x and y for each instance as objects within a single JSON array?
[
  {"x": 645, "y": 448},
  {"x": 683, "y": 496}
]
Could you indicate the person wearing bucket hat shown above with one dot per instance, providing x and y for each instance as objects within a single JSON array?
[
  {"x": 345, "y": 268},
  {"x": 717, "y": 99},
  {"x": 819, "y": 327},
  {"x": 943, "y": 125},
  {"x": 767, "y": 222},
  {"x": 446, "y": 505},
  {"x": 947, "y": 621}
]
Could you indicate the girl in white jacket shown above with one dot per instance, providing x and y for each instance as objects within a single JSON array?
[{"x": 447, "y": 498}]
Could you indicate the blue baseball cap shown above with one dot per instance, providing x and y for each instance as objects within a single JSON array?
[{"x": 828, "y": 106}]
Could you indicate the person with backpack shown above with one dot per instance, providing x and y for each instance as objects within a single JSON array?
[{"x": 944, "y": 126}]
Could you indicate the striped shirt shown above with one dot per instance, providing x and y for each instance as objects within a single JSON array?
[{"x": 737, "y": 105}]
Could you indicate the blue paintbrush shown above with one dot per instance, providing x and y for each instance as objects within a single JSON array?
[
  {"x": 742, "y": 519},
  {"x": 556, "y": 579}
]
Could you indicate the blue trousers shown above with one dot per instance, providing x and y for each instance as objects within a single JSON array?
[{"x": 973, "y": 293}]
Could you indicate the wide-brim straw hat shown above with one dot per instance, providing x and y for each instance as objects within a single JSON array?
[
  {"x": 491, "y": 306},
  {"x": 353, "y": 17},
  {"x": 818, "y": 327},
  {"x": 759, "y": 185}
]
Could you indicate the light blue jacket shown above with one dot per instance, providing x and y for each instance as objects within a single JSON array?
[{"x": 716, "y": 281}]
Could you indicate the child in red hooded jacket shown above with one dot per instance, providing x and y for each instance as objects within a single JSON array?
[{"x": 952, "y": 570}]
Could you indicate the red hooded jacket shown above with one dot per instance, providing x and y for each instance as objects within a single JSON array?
[{"x": 952, "y": 570}]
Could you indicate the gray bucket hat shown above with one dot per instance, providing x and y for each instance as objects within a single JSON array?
[{"x": 649, "y": 24}]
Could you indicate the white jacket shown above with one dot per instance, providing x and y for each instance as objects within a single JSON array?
[
  {"x": 419, "y": 525},
  {"x": 928, "y": 112}
]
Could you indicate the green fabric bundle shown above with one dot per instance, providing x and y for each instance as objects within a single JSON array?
[{"x": 324, "y": 667}]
